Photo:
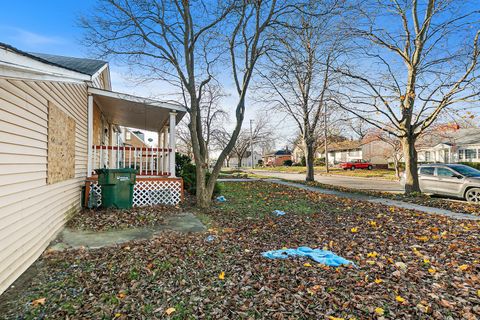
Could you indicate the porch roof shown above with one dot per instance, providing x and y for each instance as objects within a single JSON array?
[{"x": 135, "y": 112}]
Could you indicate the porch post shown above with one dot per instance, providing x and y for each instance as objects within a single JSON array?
[
  {"x": 165, "y": 153},
  {"x": 159, "y": 152},
  {"x": 171, "y": 161},
  {"x": 89, "y": 135}
]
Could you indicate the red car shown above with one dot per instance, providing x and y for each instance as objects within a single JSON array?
[{"x": 356, "y": 164}]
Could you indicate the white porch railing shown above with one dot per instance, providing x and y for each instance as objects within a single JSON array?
[{"x": 148, "y": 161}]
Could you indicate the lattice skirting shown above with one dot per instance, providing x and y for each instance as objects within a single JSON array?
[{"x": 145, "y": 193}]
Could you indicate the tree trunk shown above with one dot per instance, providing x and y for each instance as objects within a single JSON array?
[
  {"x": 397, "y": 169},
  {"x": 411, "y": 167},
  {"x": 240, "y": 162},
  {"x": 203, "y": 196},
  {"x": 309, "y": 159}
]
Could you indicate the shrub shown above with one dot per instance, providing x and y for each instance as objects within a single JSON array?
[
  {"x": 319, "y": 162},
  {"x": 181, "y": 160},
  {"x": 303, "y": 161},
  {"x": 185, "y": 169},
  {"x": 288, "y": 163}
]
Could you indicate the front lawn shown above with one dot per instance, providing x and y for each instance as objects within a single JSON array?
[
  {"x": 409, "y": 265},
  {"x": 362, "y": 173}
]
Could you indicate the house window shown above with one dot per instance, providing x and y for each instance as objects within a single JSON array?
[
  {"x": 460, "y": 154},
  {"x": 470, "y": 154},
  {"x": 428, "y": 156}
]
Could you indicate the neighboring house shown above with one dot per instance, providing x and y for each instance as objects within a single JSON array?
[
  {"x": 59, "y": 121},
  {"x": 277, "y": 158},
  {"x": 450, "y": 146},
  {"x": 246, "y": 160},
  {"x": 344, "y": 151},
  {"x": 298, "y": 154},
  {"x": 375, "y": 151}
]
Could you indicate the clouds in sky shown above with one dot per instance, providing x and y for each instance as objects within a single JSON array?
[{"x": 28, "y": 38}]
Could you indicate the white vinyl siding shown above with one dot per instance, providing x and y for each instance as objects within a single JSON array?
[{"x": 32, "y": 212}]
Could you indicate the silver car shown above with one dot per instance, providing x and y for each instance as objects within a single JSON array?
[{"x": 455, "y": 180}]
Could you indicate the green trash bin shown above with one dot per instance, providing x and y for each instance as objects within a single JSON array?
[{"x": 117, "y": 187}]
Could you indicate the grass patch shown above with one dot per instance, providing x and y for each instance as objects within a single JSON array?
[
  {"x": 361, "y": 173},
  {"x": 252, "y": 199}
]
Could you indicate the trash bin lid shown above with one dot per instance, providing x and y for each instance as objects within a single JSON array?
[{"x": 121, "y": 170}]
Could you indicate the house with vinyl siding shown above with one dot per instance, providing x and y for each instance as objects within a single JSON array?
[{"x": 59, "y": 121}]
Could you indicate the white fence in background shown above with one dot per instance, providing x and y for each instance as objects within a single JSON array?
[{"x": 148, "y": 161}]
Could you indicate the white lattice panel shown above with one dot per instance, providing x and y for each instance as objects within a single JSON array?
[{"x": 147, "y": 192}]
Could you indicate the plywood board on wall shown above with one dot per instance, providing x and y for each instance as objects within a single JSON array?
[{"x": 61, "y": 145}]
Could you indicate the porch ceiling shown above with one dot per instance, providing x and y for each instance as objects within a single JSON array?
[{"x": 135, "y": 112}]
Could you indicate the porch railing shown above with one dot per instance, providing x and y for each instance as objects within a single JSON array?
[{"x": 148, "y": 161}]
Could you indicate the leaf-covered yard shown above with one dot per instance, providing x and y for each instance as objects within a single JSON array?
[{"x": 410, "y": 265}]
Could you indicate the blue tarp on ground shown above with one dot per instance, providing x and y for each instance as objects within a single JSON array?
[
  {"x": 278, "y": 213},
  {"x": 221, "y": 199},
  {"x": 325, "y": 257}
]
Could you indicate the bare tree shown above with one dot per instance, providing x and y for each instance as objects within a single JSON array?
[
  {"x": 213, "y": 115},
  {"x": 261, "y": 133},
  {"x": 415, "y": 59},
  {"x": 298, "y": 75},
  {"x": 360, "y": 127},
  {"x": 180, "y": 41}
]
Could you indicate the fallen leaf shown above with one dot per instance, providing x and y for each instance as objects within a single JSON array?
[
  {"x": 354, "y": 230},
  {"x": 378, "y": 281},
  {"x": 169, "y": 311},
  {"x": 463, "y": 267},
  {"x": 400, "y": 299},
  {"x": 39, "y": 302},
  {"x": 306, "y": 264},
  {"x": 379, "y": 311},
  {"x": 221, "y": 276}
]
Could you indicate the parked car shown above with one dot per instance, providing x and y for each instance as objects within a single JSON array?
[
  {"x": 356, "y": 164},
  {"x": 454, "y": 180}
]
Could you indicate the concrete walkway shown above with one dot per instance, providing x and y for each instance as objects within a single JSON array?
[
  {"x": 74, "y": 239},
  {"x": 363, "y": 197},
  {"x": 368, "y": 184}
]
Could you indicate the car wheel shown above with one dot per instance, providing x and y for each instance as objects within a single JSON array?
[
  {"x": 352, "y": 168},
  {"x": 370, "y": 168},
  {"x": 473, "y": 195}
]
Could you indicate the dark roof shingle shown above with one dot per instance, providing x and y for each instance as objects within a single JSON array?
[{"x": 82, "y": 65}]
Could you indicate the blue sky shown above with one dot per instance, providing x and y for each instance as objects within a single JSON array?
[
  {"x": 50, "y": 26},
  {"x": 43, "y": 26}
]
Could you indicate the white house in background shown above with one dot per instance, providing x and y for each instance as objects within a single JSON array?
[
  {"x": 375, "y": 151},
  {"x": 461, "y": 145},
  {"x": 59, "y": 121},
  {"x": 246, "y": 160}
]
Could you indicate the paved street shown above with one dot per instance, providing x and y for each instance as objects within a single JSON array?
[{"x": 342, "y": 181}]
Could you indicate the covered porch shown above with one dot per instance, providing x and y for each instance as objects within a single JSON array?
[{"x": 113, "y": 144}]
